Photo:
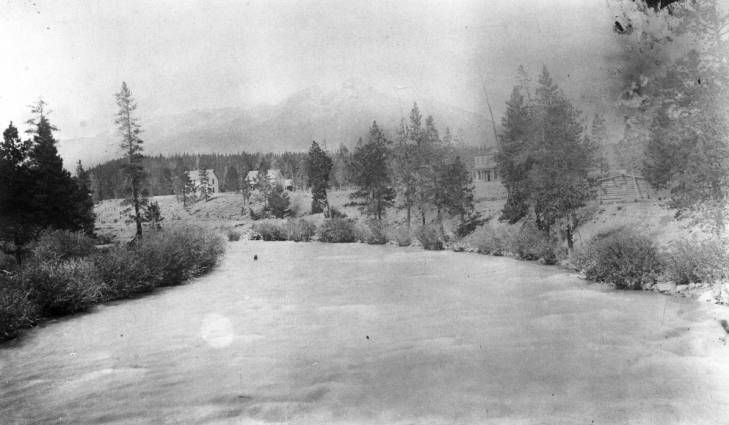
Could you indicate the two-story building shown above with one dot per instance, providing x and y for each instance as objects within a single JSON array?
[
  {"x": 212, "y": 181},
  {"x": 485, "y": 168}
]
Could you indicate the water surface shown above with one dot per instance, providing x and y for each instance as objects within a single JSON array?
[{"x": 316, "y": 333}]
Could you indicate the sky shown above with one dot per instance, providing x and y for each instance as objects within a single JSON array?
[{"x": 182, "y": 55}]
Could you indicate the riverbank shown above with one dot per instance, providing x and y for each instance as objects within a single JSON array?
[{"x": 66, "y": 274}]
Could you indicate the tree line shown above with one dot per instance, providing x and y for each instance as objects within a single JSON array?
[{"x": 418, "y": 172}]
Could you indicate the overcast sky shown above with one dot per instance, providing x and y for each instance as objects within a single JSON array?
[{"x": 181, "y": 55}]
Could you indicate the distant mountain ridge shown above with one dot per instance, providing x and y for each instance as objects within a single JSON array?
[{"x": 335, "y": 116}]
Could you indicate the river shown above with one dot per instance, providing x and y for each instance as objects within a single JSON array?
[{"x": 316, "y": 333}]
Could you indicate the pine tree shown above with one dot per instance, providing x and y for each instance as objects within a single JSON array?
[
  {"x": 84, "y": 199},
  {"x": 318, "y": 168},
  {"x": 558, "y": 178},
  {"x": 544, "y": 159},
  {"x": 131, "y": 146},
  {"x": 57, "y": 200},
  {"x": 153, "y": 215},
  {"x": 232, "y": 179},
  {"x": 513, "y": 158},
  {"x": 371, "y": 175},
  {"x": 457, "y": 195},
  {"x": 16, "y": 226}
]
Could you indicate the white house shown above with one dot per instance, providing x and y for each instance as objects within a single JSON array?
[
  {"x": 213, "y": 182},
  {"x": 485, "y": 169}
]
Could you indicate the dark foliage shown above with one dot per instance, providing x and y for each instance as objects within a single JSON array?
[
  {"x": 371, "y": 176},
  {"x": 622, "y": 257},
  {"x": 338, "y": 230},
  {"x": 319, "y": 165},
  {"x": 430, "y": 237}
]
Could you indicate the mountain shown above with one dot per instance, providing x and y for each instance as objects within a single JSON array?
[{"x": 334, "y": 116}]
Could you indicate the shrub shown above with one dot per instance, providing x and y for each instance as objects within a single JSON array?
[
  {"x": 17, "y": 311},
  {"x": 622, "y": 257},
  {"x": 278, "y": 202},
  {"x": 337, "y": 230},
  {"x": 271, "y": 230},
  {"x": 61, "y": 245},
  {"x": 493, "y": 239},
  {"x": 257, "y": 205},
  {"x": 336, "y": 213},
  {"x": 61, "y": 287},
  {"x": 299, "y": 203},
  {"x": 300, "y": 230},
  {"x": 373, "y": 232},
  {"x": 430, "y": 237},
  {"x": 470, "y": 224},
  {"x": 697, "y": 261},
  {"x": 233, "y": 235},
  {"x": 162, "y": 258},
  {"x": 530, "y": 243},
  {"x": 401, "y": 235},
  {"x": 125, "y": 273}
]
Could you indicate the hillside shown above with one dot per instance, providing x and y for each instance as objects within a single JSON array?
[{"x": 340, "y": 115}]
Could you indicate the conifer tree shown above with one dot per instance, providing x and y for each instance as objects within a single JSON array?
[
  {"x": 57, "y": 200},
  {"x": 16, "y": 226},
  {"x": 544, "y": 159},
  {"x": 319, "y": 166},
  {"x": 232, "y": 179},
  {"x": 371, "y": 176},
  {"x": 131, "y": 146},
  {"x": 513, "y": 157}
]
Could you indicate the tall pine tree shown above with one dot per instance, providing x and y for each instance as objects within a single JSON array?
[{"x": 131, "y": 146}]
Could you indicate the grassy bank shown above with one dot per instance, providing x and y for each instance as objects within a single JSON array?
[{"x": 66, "y": 274}]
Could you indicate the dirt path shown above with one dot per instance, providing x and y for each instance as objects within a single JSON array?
[{"x": 315, "y": 333}]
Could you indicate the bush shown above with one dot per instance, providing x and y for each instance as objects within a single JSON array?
[
  {"x": 470, "y": 224},
  {"x": 401, "y": 235},
  {"x": 271, "y": 230},
  {"x": 299, "y": 203},
  {"x": 430, "y": 237},
  {"x": 125, "y": 273},
  {"x": 17, "y": 311},
  {"x": 493, "y": 239},
  {"x": 336, "y": 213},
  {"x": 278, "y": 202},
  {"x": 61, "y": 245},
  {"x": 162, "y": 258},
  {"x": 337, "y": 230},
  {"x": 257, "y": 205},
  {"x": 697, "y": 261},
  {"x": 61, "y": 287},
  {"x": 622, "y": 257},
  {"x": 530, "y": 243},
  {"x": 233, "y": 235},
  {"x": 373, "y": 232},
  {"x": 300, "y": 230}
]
